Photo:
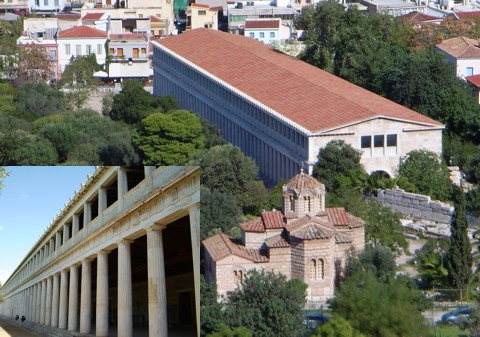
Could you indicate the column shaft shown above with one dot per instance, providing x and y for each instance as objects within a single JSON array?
[
  {"x": 195, "y": 235},
  {"x": 48, "y": 303},
  {"x": 55, "y": 300},
  {"x": 37, "y": 302},
  {"x": 157, "y": 293},
  {"x": 101, "y": 321},
  {"x": 73, "y": 299},
  {"x": 63, "y": 309},
  {"x": 125, "y": 323},
  {"x": 86, "y": 297}
]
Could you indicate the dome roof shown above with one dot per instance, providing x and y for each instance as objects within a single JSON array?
[{"x": 302, "y": 182}]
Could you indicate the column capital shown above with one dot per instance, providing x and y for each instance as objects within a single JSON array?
[
  {"x": 104, "y": 252},
  {"x": 156, "y": 227},
  {"x": 125, "y": 241},
  {"x": 88, "y": 259}
]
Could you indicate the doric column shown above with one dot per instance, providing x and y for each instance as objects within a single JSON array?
[
  {"x": 124, "y": 289},
  {"x": 102, "y": 294},
  {"x": 65, "y": 233},
  {"x": 43, "y": 300},
  {"x": 48, "y": 303},
  {"x": 75, "y": 224},
  {"x": 195, "y": 235},
  {"x": 52, "y": 246},
  {"x": 31, "y": 316},
  {"x": 102, "y": 202},
  {"x": 149, "y": 178},
  {"x": 73, "y": 299},
  {"x": 157, "y": 293},
  {"x": 86, "y": 296},
  {"x": 63, "y": 309},
  {"x": 38, "y": 301},
  {"x": 58, "y": 240},
  {"x": 55, "y": 300},
  {"x": 122, "y": 185}
]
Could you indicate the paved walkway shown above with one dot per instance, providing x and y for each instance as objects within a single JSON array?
[{"x": 9, "y": 330}]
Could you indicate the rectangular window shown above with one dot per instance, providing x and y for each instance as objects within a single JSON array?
[
  {"x": 202, "y": 12},
  {"x": 45, "y": 2},
  {"x": 56, "y": 3},
  {"x": 111, "y": 51},
  {"x": 391, "y": 140},
  {"x": 366, "y": 142},
  {"x": 140, "y": 15},
  {"x": 88, "y": 49},
  {"x": 120, "y": 52},
  {"x": 37, "y": 2},
  {"x": 78, "y": 50},
  {"x": 144, "y": 50},
  {"x": 252, "y": 35},
  {"x": 53, "y": 54},
  {"x": 135, "y": 53},
  {"x": 99, "y": 49},
  {"x": 262, "y": 35},
  {"x": 272, "y": 34},
  {"x": 378, "y": 140},
  {"x": 469, "y": 71},
  {"x": 67, "y": 49}
]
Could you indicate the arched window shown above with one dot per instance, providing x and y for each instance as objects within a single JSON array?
[
  {"x": 317, "y": 269},
  {"x": 292, "y": 203},
  {"x": 313, "y": 269},
  {"x": 238, "y": 277},
  {"x": 320, "y": 270}
]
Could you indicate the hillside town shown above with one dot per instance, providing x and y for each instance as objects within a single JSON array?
[{"x": 338, "y": 144}]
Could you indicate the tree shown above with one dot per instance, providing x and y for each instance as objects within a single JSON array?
[
  {"x": 428, "y": 172},
  {"x": 267, "y": 304},
  {"x": 36, "y": 66},
  {"x": 79, "y": 72},
  {"x": 225, "y": 331},
  {"x": 361, "y": 301},
  {"x": 3, "y": 175},
  {"x": 169, "y": 138},
  {"x": 336, "y": 159},
  {"x": 211, "y": 310},
  {"x": 220, "y": 212},
  {"x": 459, "y": 257},
  {"x": 336, "y": 327},
  {"x": 377, "y": 260},
  {"x": 431, "y": 262},
  {"x": 10, "y": 31},
  {"x": 39, "y": 99},
  {"x": 472, "y": 201}
]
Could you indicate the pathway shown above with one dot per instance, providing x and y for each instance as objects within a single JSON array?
[{"x": 10, "y": 330}]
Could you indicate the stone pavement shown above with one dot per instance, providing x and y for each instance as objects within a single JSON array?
[{"x": 10, "y": 330}]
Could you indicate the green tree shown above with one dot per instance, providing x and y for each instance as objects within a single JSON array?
[
  {"x": 431, "y": 262},
  {"x": 337, "y": 159},
  {"x": 35, "y": 65},
  {"x": 459, "y": 257},
  {"x": 472, "y": 168},
  {"x": 267, "y": 304},
  {"x": 39, "y": 99},
  {"x": 336, "y": 327},
  {"x": 219, "y": 214},
  {"x": 472, "y": 201},
  {"x": 79, "y": 72},
  {"x": 362, "y": 302},
  {"x": 377, "y": 260},
  {"x": 211, "y": 314},
  {"x": 10, "y": 31},
  {"x": 428, "y": 172},
  {"x": 225, "y": 331},
  {"x": 3, "y": 175},
  {"x": 169, "y": 138}
]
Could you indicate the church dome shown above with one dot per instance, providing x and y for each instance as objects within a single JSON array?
[{"x": 302, "y": 182}]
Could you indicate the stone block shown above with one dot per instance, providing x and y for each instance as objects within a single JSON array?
[
  {"x": 415, "y": 202},
  {"x": 436, "y": 205},
  {"x": 398, "y": 193},
  {"x": 422, "y": 197}
]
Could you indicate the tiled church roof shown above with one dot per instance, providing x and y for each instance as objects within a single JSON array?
[
  {"x": 312, "y": 231},
  {"x": 221, "y": 245},
  {"x": 267, "y": 220},
  {"x": 302, "y": 182},
  {"x": 337, "y": 216}
]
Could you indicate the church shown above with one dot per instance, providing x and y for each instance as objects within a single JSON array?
[{"x": 306, "y": 241}]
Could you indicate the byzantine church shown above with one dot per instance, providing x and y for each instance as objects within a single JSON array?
[{"x": 307, "y": 241}]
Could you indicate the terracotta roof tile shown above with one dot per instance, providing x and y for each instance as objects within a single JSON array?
[
  {"x": 273, "y": 219},
  {"x": 460, "y": 47},
  {"x": 302, "y": 182},
  {"x": 253, "y": 225},
  {"x": 337, "y": 216},
  {"x": 355, "y": 222},
  {"x": 277, "y": 241},
  {"x": 417, "y": 17},
  {"x": 221, "y": 245},
  {"x": 65, "y": 16},
  {"x": 200, "y": 5},
  {"x": 342, "y": 238},
  {"x": 312, "y": 231},
  {"x": 474, "y": 79},
  {"x": 257, "y": 24},
  {"x": 155, "y": 19},
  {"x": 468, "y": 15},
  {"x": 81, "y": 31},
  {"x": 93, "y": 16},
  {"x": 306, "y": 95}
]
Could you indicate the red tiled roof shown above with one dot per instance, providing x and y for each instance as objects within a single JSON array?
[
  {"x": 342, "y": 238},
  {"x": 474, "y": 79},
  {"x": 93, "y": 16},
  {"x": 460, "y": 47},
  {"x": 258, "y": 24},
  {"x": 129, "y": 36},
  {"x": 69, "y": 16},
  {"x": 468, "y": 15},
  {"x": 417, "y": 17},
  {"x": 221, "y": 245},
  {"x": 302, "y": 182},
  {"x": 155, "y": 19},
  {"x": 312, "y": 231},
  {"x": 355, "y": 222},
  {"x": 277, "y": 241},
  {"x": 272, "y": 219},
  {"x": 306, "y": 95},
  {"x": 253, "y": 225},
  {"x": 81, "y": 31},
  {"x": 337, "y": 216},
  {"x": 200, "y": 5}
]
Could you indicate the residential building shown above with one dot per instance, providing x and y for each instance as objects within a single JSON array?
[
  {"x": 279, "y": 110},
  {"x": 81, "y": 41},
  {"x": 96, "y": 20},
  {"x": 463, "y": 54},
  {"x": 50, "y": 6},
  {"x": 307, "y": 241},
  {"x": 266, "y": 31},
  {"x": 129, "y": 56},
  {"x": 202, "y": 16},
  {"x": 158, "y": 27},
  {"x": 121, "y": 258},
  {"x": 394, "y": 7},
  {"x": 14, "y": 6}
]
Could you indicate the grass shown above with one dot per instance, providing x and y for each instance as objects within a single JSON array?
[{"x": 448, "y": 331}]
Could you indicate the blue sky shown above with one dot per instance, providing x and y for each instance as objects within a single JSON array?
[{"x": 29, "y": 201}]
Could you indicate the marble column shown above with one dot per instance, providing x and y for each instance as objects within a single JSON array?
[
  {"x": 149, "y": 178},
  {"x": 125, "y": 324},
  {"x": 43, "y": 299},
  {"x": 195, "y": 235},
  {"x": 157, "y": 293},
  {"x": 55, "y": 300},
  {"x": 63, "y": 308},
  {"x": 122, "y": 185},
  {"x": 38, "y": 301},
  {"x": 48, "y": 304},
  {"x": 73, "y": 299},
  {"x": 102, "y": 295},
  {"x": 86, "y": 297},
  {"x": 102, "y": 202}
]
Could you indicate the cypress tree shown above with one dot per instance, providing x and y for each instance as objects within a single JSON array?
[{"x": 459, "y": 257}]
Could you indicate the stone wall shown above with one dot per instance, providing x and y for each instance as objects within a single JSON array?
[{"x": 418, "y": 206}]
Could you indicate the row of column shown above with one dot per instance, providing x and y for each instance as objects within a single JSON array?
[{"x": 54, "y": 301}]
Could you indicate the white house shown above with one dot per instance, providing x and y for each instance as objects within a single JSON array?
[
  {"x": 463, "y": 53},
  {"x": 266, "y": 31},
  {"x": 81, "y": 41},
  {"x": 129, "y": 56},
  {"x": 46, "y": 5}
]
